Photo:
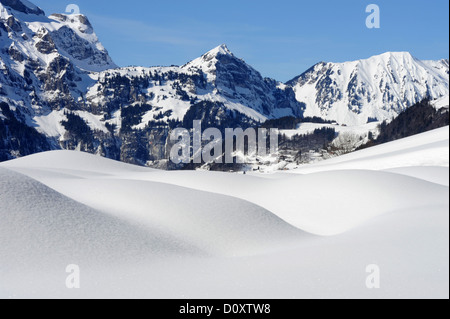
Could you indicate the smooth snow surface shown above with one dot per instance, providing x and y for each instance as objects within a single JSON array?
[
  {"x": 441, "y": 103},
  {"x": 307, "y": 233}
]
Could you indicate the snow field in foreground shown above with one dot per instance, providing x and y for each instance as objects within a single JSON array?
[{"x": 137, "y": 232}]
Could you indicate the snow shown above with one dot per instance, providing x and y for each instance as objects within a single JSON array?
[
  {"x": 93, "y": 121},
  {"x": 244, "y": 98},
  {"x": 85, "y": 32},
  {"x": 427, "y": 149},
  {"x": 50, "y": 124},
  {"x": 208, "y": 61},
  {"x": 309, "y": 128},
  {"x": 309, "y": 233},
  {"x": 441, "y": 103},
  {"x": 383, "y": 86},
  {"x": 221, "y": 49},
  {"x": 34, "y": 24},
  {"x": 32, "y": 226},
  {"x": 166, "y": 98},
  {"x": 434, "y": 174},
  {"x": 235, "y": 106}
]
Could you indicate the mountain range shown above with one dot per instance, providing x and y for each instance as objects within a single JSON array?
[
  {"x": 377, "y": 88},
  {"x": 60, "y": 89}
]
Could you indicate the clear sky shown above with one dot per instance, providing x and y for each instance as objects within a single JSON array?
[{"x": 280, "y": 38}]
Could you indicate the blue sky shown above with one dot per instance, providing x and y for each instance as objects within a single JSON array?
[{"x": 281, "y": 39}]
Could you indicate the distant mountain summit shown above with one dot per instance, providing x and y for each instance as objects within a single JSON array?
[
  {"x": 234, "y": 80},
  {"x": 378, "y": 88}
]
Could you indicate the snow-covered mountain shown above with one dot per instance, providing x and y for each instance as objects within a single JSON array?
[
  {"x": 59, "y": 85},
  {"x": 218, "y": 77},
  {"x": 61, "y": 58},
  {"x": 58, "y": 79},
  {"x": 378, "y": 88},
  {"x": 44, "y": 62},
  {"x": 32, "y": 34},
  {"x": 232, "y": 80}
]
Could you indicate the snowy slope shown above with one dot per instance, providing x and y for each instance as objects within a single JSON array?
[
  {"x": 279, "y": 195},
  {"x": 309, "y": 128},
  {"x": 33, "y": 216},
  {"x": 148, "y": 227},
  {"x": 441, "y": 103},
  {"x": 376, "y": 88},
  {"x": 187, "y": 226},
  {"x": 429, "y": 149}
]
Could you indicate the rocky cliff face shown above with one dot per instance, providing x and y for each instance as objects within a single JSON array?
[
  {"x": 231, "y": 79},
  {"x": 45, "y": 61}
]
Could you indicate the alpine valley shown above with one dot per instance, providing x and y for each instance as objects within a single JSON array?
[{"x": 59, "y": 89}]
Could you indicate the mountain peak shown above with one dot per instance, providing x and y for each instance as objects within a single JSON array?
[
  {"x": 393, "y": 55},
  {"x": 220, "y": 50},
  {"x": 379, "y": 87},
  {"x": 23, "y": 6},
  {"x": 210, "y": 58},
  {"x": 74, "y": 19},
  {"x": 71, "y": 36}
]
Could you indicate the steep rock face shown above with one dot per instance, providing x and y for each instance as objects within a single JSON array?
[
  {"x": 377, "y": 88},
  {"x": 231, "y": 78},
  {"x": 76, "y": 39},
  {"x": 39, "y": 75},
  {"x": 71, "y": 36}
]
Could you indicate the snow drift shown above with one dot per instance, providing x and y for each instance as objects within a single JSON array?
[{"x": 137, "y": 232}]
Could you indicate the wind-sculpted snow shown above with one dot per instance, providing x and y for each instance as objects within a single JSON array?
[
  {"x": 39, "y": 224},
  {"x": 150, "y": 233},
  {"x": 213, "y": 224},
  {"x": 294, "y": 198}
]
